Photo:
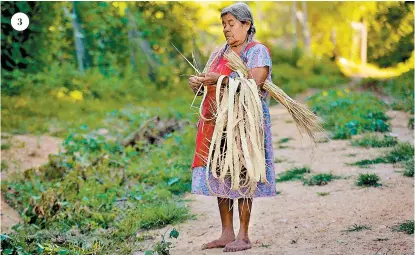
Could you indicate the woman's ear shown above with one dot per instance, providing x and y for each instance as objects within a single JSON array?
[{"x": 247, "y": 25}]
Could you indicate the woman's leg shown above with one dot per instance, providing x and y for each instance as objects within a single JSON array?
[
  {"x": 226, "y": 216},
  {"x": 242, "y": 241}
]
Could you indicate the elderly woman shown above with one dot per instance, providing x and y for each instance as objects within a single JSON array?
[{"x": 238, "y": 29}]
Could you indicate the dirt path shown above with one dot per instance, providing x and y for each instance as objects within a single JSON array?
[
  {"x": 26, "y": 151},
  {"x": 298, "y": 221}
]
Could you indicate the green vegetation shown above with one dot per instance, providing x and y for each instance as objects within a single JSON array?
[
  {"x": 284, "y": 140},
  {"x": 101, "y": 191},
  {"x": 368, "y": 180},
  {"x": 399, "y": 153},
  {"x": 406, "y": 227},
  {"x": 349, "y": 113},
  {"x": 322, "y": 194},
  {"x": 409, "y": 168},
  {"x": 319, "y": 179},
  {"x": 163, "y": 247},
  {"x": 4, "y": 165},
  {"x": 357, "y": 228},
  {"x": 288, "y": 66},
  {"x": 375, "y": 141},
  {"x": 401, "y": 89},
  {"x": 5, "y": 146},
  {"x": 296, "y": 173}
]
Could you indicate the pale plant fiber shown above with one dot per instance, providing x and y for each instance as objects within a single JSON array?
[{"x": 238, "y": 117}]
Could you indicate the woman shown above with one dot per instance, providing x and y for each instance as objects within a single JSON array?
[{"x": 238, "y": 29}]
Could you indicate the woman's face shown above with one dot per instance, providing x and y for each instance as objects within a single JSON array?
[{"x": 235, "y": 31}]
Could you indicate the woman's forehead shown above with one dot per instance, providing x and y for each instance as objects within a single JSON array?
[{"x": 228, "y": 17}]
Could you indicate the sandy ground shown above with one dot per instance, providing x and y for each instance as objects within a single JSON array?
[{"x": 297, "y": 221}]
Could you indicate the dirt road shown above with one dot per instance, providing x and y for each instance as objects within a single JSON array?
[{"x": 298, "y": 221}]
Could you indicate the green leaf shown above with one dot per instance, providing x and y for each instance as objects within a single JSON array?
[
  {"x": 40, "y": 248},
  {"x": 149, "y": 252},
  {"x": 63, "y": 252},
  {"x": 173, "y": 181},
  {"x": 8, "y": 251},
  {"x": 174, "y": 233},
  {"x": 4, "y": 237}
]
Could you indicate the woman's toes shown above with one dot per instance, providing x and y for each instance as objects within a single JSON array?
[{"x": 238, "y": 245}]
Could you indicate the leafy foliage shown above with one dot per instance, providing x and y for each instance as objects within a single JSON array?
[
  {"x": 296, "y": 173},
  {"x": 319, "y": 179},
  {"x": 349, "y": 113},
  {"x": 368, "y": 180},
  {"x": 375, "y": 141}
]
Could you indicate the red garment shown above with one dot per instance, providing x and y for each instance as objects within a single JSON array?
[{"x": 205, "y": 127}]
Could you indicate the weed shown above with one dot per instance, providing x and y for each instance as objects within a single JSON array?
[
  {"x": 368, "y": 180},
  {"x": 293, "y": 174}
]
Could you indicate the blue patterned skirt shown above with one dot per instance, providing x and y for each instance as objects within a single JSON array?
[{"x": 200, "y": 185}]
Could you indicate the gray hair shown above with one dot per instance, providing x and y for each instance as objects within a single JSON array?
[{"x": 243, "y": 13}]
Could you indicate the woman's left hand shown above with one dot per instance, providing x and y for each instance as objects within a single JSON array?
[{"x": 209, "y": 78}]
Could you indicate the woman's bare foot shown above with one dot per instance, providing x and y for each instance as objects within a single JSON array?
[
  {"x": 238, "y": 245},
  {"x": 219, "y": 243}
]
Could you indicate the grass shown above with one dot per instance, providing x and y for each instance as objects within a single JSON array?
[
  {"x": 264, "y": 245},
  {"x": 97, "y": 206},
  {"x": 348, "y": 113},
  {"x": 409, "y": 168},
  {"x": 57, "y": 120},
  {"x": 5, "y": 146},
  {"x": 322, "y": 194},
  {"x": 400, "y": 153},
  {"x": 357, "y": 228},
  {"x": 368, "y": 180},
  {"x": 406, "y": 227},
  {"x": 319, "y": 179},
  {"x": 296, "y": 173},
  {"x": 375, "y": 141},
  {"x": 278, "y": 160},
  {"x": 316, "y": 73},
  {"x": 351, "y": 155},
  {"x": 284, "y": 140},
  {"x": 4, "y": 166}
]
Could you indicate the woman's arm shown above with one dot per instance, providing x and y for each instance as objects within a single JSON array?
[
  {"x": 259, "y": 64},
  {"x": 259, "y": 74}
]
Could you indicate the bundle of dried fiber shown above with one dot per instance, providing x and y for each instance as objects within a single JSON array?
[
  {"x": 239, "y": 121},
  {"x": 305, "y": 120}
]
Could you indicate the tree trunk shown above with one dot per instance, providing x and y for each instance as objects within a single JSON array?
[
  {"x": 363, "y": 43},
  {"x": 131, "y": 33},
  {"x": 294, "y": 21},
  {"x": 134, "y": 37},
  {"x": 306, "y": 30},
  {"x": 79, "y": 40},
  {"x": 333, "y": 41}
]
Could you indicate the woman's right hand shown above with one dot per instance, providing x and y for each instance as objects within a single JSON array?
[{"x": 195, "y": 83}]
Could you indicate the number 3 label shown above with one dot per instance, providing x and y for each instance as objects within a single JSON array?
[{"x": 20, "y": 21}]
